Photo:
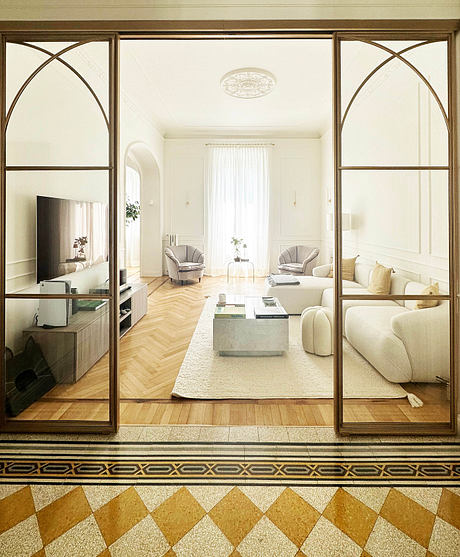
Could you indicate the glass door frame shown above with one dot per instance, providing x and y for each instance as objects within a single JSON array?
[
  {"x": 112, "y": 121},
  {"x": 425, "y": 428}
]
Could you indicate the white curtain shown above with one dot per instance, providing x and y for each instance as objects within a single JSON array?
[
  {"x": 133, "y": 228},
  {"x": 237, "y": 182}
]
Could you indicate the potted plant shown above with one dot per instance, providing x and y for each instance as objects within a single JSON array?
[{"x": 236, "y": 242}]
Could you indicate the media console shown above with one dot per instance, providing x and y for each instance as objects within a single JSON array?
[{"x": 72, "y": 350}]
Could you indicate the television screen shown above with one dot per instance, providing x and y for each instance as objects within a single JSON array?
[{"x": 71, "y": 236}]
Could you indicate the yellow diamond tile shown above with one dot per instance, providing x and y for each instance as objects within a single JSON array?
[
  {"x": 205, "y": 539},
  {"x": 235, "y": 515},
  {"x": 354, "y": 518},
  {"x": 15, "y": 508},
  {"x": 408, "y": 516},
  {"x": 84, "y": 540},
  {"x": 61, "y": 515},
  {"x": 170, "y": 553},
  {"x": 177, "y": 515},
  {"x": 449, "y": 508},
  {"x": 120, "y": 514},
  {"x": 40, "y": 553},
  {"x": 293, "y": 516},
  {"x": 105, "y": 553}
]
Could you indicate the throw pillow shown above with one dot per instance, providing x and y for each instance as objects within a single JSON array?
[
  {"x": 430, "y": 290},
  {"x": 380, "y": 282},
  {"x": 348, "y": 269}
]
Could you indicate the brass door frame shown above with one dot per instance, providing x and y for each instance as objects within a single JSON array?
[
  {"x": 112, "y": 122},
  {"x": 164, "y": 29},
  {"x": 430, "y": 428}
]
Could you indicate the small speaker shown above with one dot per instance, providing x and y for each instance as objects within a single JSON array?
[{"x": 123, "y": 276}]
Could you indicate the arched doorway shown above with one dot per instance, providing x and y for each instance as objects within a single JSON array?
[{"x": 140, "y": 159}]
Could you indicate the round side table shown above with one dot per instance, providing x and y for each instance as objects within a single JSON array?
[{"x": 246, "y": 262}]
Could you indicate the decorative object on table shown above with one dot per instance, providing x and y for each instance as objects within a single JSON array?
[
  {"x": 222, "y": 299},
  {"x": 298, "y": 260},
  {"x": 79, "y": 247},
  {"x": 133, "y": 210},
  {"x": 237, "y": 243},
  {"x": 91, "y": 305},
  {"x": 229, "y": 312},
  {"x": 28, "y": 377},
  {"x": 184, "y": 263}
]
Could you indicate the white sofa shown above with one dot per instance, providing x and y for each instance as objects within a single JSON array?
[{"x": 402, "y": 343}]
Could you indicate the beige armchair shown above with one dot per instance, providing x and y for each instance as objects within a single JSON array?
[
  {"x": 184, "y": 263},
  {"x": 297, "y": 260}
]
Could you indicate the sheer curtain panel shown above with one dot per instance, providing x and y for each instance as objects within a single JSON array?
[{"x": 237, "y": 181}]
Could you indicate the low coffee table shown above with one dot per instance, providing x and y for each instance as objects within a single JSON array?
[{"x": 250, "y": 336}]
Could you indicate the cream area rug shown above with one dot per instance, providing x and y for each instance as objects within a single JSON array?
[{"x": 296, "y": 374}]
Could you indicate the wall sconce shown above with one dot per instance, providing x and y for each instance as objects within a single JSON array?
[
  {"x": 295, "y": 199},
  {"x": 346, "y": 222},
  {"x": 187, "y": 199}
]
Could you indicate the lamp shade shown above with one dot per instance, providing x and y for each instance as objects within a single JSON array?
[{"x": 346, "y": 222}]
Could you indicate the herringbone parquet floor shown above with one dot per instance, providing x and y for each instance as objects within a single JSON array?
[{"x": 151, "y": 355}]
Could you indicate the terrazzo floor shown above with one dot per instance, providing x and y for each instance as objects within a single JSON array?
[{"x": 250, "y": 492}]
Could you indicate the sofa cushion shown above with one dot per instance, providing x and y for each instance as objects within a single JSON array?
[
  {"x": 295, "y": 298},
  {"x": 380, "y": 280},
  {"x": 348, "y": 269},
  {"x": 327, "y": 299},
  {"x": 412, "y": 288},
  {"x": 430, "y": 290},
  {"x": 292, "y": 267},
  {"x": 189, "y": 266},
  {"x": 369, "y": 330}
]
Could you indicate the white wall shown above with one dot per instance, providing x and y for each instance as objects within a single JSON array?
[
  {"x": 295, "y": 176},
  {"x": 398, "y": 218}
]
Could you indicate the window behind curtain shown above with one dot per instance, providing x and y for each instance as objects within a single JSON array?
[
  {"x": 237, "y": 189},
  {"x": 133, "y": 228}
]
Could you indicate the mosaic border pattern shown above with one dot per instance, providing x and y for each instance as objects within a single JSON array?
[{"x": 216, "y": 470}]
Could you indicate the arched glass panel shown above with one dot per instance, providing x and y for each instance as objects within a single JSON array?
[
  {"x": 395, "y": 326},
  {"x": 56, "y": 113},
  {"x": 394, "y": 119}
]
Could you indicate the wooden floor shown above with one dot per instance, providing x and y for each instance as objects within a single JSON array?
[{"x": 151, "y": 355}]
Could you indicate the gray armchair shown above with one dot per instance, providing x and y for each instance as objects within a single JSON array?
[
  {"x": 298, "y": 260},
  {"x": 184, "y": 263}
]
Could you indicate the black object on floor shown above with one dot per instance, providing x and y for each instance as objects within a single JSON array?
[{"x": 28, "y": 377}]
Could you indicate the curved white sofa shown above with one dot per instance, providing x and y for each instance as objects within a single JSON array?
[{"x": 402, "y": 343}]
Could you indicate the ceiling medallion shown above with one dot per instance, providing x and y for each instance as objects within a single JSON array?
[{"x": 248, "y": 83}]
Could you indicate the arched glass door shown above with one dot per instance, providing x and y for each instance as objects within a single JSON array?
[
  {"x": 59, "y": 289},
  {"x": 396, "y": 330}
]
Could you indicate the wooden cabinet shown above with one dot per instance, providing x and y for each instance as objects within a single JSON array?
[{"x": 71, "y": 351}]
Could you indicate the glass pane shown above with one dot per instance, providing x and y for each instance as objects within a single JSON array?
[
  {"x": 401, "y": 220},
  {"x": 61, "y": 371},
  {"x": 396, "y": 355},
  {"x": 56, "y": 113},
  {"x": 394, "y": 119},
  {"x": 57, "y": 227}
]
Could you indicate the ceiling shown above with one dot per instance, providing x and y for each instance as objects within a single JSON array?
[{"x": 177, "y": 83}]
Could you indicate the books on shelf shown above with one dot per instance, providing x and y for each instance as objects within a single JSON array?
[{"x": 230, "y": 312}]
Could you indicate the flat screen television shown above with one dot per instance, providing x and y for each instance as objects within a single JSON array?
[{"x": 71, "y": 236}]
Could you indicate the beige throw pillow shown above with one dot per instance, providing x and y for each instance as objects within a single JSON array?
[
  {"x": 348, "y": 269},
  {"x": 380, "y": 282},
  {"x": 430, "y": 290}
]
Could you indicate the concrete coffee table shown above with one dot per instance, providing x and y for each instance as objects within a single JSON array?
[{"x": 250, "y": 336}]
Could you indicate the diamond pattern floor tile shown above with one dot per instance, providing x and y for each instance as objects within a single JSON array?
[
  {"x": 351, "y": 516},
  {"x": 408, "y": 516},
  {"x": 62, "y": 514},
  {"x": 293, "y": 516},
  {"x": 177, "y": 515},
  {"x": 235, "y": 515},
  {"x": 267, "y": 540},
  {"x": 120, "y": 514},
  {"x": 229, "y": 521}
]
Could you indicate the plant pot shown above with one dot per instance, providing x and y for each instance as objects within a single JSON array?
[{"x": 237, "y": 259}]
